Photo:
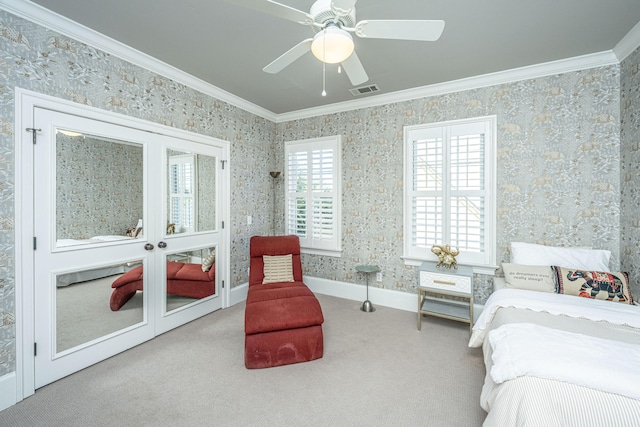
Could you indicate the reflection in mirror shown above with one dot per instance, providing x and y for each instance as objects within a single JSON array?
[
  {"x": 191, "y": 194},
  {"x": 99, "y": 189},
  {"x": 84, "y": 304},
  {"x": 191, "y": 275}
]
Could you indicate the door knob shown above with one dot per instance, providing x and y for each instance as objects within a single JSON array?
[
  {"x": 148, "y": 247},
  {"x": 162, "y": 245}
]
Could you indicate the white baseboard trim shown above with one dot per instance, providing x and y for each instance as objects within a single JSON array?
[
  {"x": 8, "y": 390},
  {"x": 238, "y": 294},
  {"x": 378, "y": 296}
]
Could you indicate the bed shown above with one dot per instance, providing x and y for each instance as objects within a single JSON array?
[
  {"x": 65, "y": 243},
  {"x": 96, "y": 273},
  {"x": 558, "y": 359}
]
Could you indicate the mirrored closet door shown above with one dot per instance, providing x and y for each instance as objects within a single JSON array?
[
  {"x": 192, "y": 233},
  {"x": 127, "y": 238}
]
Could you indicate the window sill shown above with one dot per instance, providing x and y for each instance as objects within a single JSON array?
[{"x": 323, "y": 252}]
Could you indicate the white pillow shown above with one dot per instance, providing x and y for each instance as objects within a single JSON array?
[
  {"x": 578, "y": 258},
  {"x": 208, "y": 262},
  {"x": 277, "y": 268},
  {"x": 539, "y": 278}
]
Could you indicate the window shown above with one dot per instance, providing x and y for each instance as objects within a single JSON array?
[
  {"x": 182, "y": 189},
  {"x": 450, "y": 190},
  {"x": 313, "y": 194}
]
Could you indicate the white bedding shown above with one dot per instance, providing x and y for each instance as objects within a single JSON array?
[
  {"x": 530, "y": 400},
  {"x": 557, "y": 304},
  {"x": 520, "y": 349},
  {"x": 65, "y": 243}
]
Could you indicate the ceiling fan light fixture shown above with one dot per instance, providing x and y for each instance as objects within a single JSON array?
[{"x": 332, "y": 45}]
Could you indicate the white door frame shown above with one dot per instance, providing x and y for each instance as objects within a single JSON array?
[{"x": 25, "y": 102}]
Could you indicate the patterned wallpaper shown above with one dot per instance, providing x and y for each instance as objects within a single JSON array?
[
  {"x": 35, "y": 58},
  {"x": 558, "y": 156},
  {"x": 558, "y": 170},
  {"x": 207, "y": 166},
  {"x": 630, "y": 173},
  {"x": 99, "y": 187}
]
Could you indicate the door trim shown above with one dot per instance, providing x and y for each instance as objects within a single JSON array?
[{"x": 25, "y": 102}]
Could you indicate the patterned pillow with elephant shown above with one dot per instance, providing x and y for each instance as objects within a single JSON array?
[{"x": 594, "y": 284}]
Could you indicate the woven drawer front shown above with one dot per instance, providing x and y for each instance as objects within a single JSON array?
[{"x": 445, "y": 282}]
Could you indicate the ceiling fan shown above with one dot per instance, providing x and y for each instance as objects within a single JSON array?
[{"x": 333, "y": 21}]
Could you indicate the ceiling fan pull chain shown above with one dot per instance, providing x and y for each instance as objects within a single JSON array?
[
  {"x": 324, "y": 78},
  {"x": 324, "y": 64}
]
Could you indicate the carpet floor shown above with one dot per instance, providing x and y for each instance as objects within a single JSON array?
[
  {"x": 83, "y": 313},
  {"x": 377, "y": 370}
]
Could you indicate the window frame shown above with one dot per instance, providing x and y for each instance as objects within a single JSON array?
[
  {"x": 332, "y": 247},
  {"x": 483, "y": 262}
]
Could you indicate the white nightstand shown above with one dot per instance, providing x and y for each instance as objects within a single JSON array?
[{"x": 437, "y": 286}]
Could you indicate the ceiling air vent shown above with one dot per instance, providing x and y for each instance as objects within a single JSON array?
[{"x": 363, "y": 90}]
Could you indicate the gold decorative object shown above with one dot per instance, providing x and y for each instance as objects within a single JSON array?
[
  {"x": 171, "y": 228},
  {"x": 446, "y": 256}
]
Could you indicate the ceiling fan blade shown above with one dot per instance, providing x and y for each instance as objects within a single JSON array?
[
  {"x": 343, "y": 5},
  {"x": 354, "y": 69},
  {"x": 276, "y": 9},
  {"x": 288, "y": 57},
  {"x": 400, "y": 29}
]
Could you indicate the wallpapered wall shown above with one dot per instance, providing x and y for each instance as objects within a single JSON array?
[
  {"x": 35, "y": 58},
  {"x": 558, "y": 156},
  {"x": 206, "y": 185},
  {"x": 558, "y": 170},
  {"x": 630, "y": 173},
  {"x": 98, "y": 187}
]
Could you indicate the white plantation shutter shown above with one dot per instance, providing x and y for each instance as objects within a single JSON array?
[
  {"x": 449, "y": 192},
  {"x": 323, "y": 194},
  {"x": 182, "y": 192},
  {"x": 467, "y": 160},
  {"x": 427, "y": 198},
  {"x": 313, "y": 193},
  {"x": 297, "y": 176}
]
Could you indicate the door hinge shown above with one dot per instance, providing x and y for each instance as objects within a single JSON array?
[
  {"x": 35, "y": 348},
  {"x": 33, "y": 131},
  {"x": 35, "y": 245},
  {"x": 223, "y": 284},
  {"x": 223, "y": 163},
  {"x": 222, "y": 224}
]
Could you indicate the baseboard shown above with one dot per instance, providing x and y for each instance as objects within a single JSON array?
[
  {"x": 238, "y": 294},
  {"x": 7, "y": 390},
  {"x": 378, "y": 296}
]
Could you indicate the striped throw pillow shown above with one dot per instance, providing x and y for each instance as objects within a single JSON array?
[
  {"x": 208, "y": 263},
  {"x": 277, "y": 268}
]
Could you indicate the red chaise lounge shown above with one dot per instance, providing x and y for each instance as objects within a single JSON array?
[
  {"x": 283, "y": 320},
  {"x": 186, "y": 280}
]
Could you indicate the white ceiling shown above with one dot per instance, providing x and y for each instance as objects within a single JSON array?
[{"x": 227, "y": 45}]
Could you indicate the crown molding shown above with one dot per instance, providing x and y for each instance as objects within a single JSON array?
[
  {"x": 55, "y": 22},
  {"x": 509, "y": 76},
  {"x": 628, "y": 44}
]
